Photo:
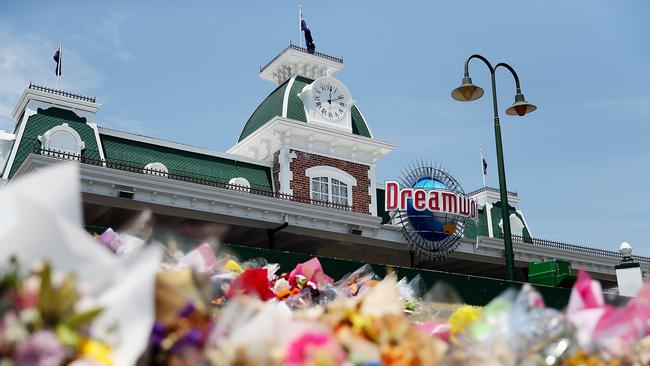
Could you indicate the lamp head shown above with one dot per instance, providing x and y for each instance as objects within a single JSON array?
[
  {"x": 467, "y": 91},
  {"x": 625, "y": 249},
  {"x": 520, "y": 107}
]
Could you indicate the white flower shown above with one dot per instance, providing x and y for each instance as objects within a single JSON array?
[{"x": 281, "y": 285}]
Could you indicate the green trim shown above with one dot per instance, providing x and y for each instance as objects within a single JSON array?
[
  {"x": 295, "y": 106},
  {"x": 44, "y": 120},
  {"x": 359, "y": 126},
  {"x": 381, "y": 206},
  {"x": 185, "y": 162},
  {"x": 473, "y": 229},
  {"x": 496, "y": 218}
]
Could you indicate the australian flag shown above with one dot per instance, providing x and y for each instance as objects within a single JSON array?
[
  {"x": 311, "y": 47},
  {"x": 484, "y": 166},
  {"x": 58, "y": 58}
]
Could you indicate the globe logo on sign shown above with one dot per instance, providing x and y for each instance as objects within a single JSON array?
[
  {"x": 432, "y": 209},
  {"x": 431, "y": 226}
]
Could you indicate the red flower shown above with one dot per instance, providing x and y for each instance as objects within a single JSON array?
[{"x": 253, "y": 281}]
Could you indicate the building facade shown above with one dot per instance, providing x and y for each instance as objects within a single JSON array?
[{"x": 300, "y": 177}]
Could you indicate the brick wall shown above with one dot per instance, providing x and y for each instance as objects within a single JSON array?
[{"x": 300, "y": 182}]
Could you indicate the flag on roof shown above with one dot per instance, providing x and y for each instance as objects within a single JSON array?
[
  {"x": 311, "y": 47},
  {"x": 484, "y": 167},
  {"x": 58, "y": 55}
]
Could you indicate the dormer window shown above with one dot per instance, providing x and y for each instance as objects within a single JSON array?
[
  {"x": 240, "y": 184},
  {"x": 63, "y": 139},
  {"x": 329, "y": 184},
  {"x": 156, "y": 168}
]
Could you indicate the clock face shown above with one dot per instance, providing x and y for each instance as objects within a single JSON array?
[{"x": 330, "y": 100}]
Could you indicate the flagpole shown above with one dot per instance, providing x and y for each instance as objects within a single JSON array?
[
  {"x": 483, "y": 168},
  {"x": 58, "y": 65},
  {"x": 300, "y": 25}
]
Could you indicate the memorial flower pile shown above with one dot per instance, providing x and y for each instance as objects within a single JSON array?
[{"x": 124, "y": 299}]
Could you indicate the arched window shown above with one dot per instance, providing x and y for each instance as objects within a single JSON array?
[
  {"x": 156, "y": 168},
  {"x": 329, "y": 184},
  {"x": 62, "y": 138},
  {"x": 240, "y": 184}
]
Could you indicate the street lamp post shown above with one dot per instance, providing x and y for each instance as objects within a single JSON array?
[{"x": 468, "y": 92}]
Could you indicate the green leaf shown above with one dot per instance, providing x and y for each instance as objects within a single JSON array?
[
  {"x": 46, "y": 299},
  {"x": 77, "y": 320},
  {"x": 68, "y": 336}
]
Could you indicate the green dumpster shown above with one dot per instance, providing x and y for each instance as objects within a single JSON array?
[{"x": 555, "y": 273}]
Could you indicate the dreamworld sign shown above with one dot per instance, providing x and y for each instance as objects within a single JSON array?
[
  {"x": 431, "y": 207},
  {"x": 433, "y": 200}
]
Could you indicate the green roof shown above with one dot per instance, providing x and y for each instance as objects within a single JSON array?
[
  {"x": 272, "y": 106},
  {"x": 44, "y": 120},
  {"x": 185, "y": 162},
  {"x": 496, "y": 218}
]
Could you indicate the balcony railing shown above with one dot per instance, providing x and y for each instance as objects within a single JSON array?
[
  {"x": 187, "y": 177},
  {"x": 490, "y": 189},
  {"x": 61, "y": 92},
  {"x": 581, "y": 249},
  {"x": 297, "y": 48}
]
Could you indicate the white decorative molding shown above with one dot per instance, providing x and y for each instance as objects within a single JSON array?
[
  {"x": 285, "y": 99},
  {"x": 62, "y": 138},
  {"x": 492, "y": 196},
  {"x": 46, "y": 100},
  {"x": 286, "y": 175},
  {"x": 6, "y": 144},
  {"x": 292, "y": 62},
  {"x": 488, "y": 214},
  {"x": 156, "y": 168},
  {"x": 315, "y": 139},
  {"x": 372, "y": 190},
  {"x": 516, "y": 225},
  {"x": 29, "y": 110},
  {"x": 523, "y": 218},
  {"x": 100, "y": 147}
]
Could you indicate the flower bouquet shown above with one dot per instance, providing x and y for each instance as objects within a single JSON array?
[{"x": 45, "y": 318}]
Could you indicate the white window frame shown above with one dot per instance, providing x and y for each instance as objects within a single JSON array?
[
  {"x": 46, "y": 139},
  {"x": 240, "y": 184},
  {"x": 156, "y": 168},
  {"x": 331, "y": 173}
]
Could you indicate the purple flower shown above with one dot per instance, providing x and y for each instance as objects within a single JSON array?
[
  {"x": 158, "y": 333},
  {"x": 187, "y": 310},
  {"x": 40, "y": 349}
]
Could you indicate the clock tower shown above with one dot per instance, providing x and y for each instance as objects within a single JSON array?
[{"x": 312, "y": 130}]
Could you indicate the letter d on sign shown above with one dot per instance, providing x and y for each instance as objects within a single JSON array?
[{"x": 392, "y": 192}]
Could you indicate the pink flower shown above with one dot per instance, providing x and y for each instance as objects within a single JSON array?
[
  {"x": 312, "y": 271},
  {"x": 314, "y": 348},
  {"x": 40, "y": 349}
]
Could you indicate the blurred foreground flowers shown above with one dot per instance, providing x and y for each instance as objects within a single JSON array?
[{"x": 123, "y": 299}]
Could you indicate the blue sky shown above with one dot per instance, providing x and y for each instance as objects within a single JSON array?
[{"x": 188, "y": 72}]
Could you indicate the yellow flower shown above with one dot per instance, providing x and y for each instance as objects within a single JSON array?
[
  {"x": 232, "y": 266},
  {"x": 96, "y": 351},
  {"x": 462, "y": 317}
]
